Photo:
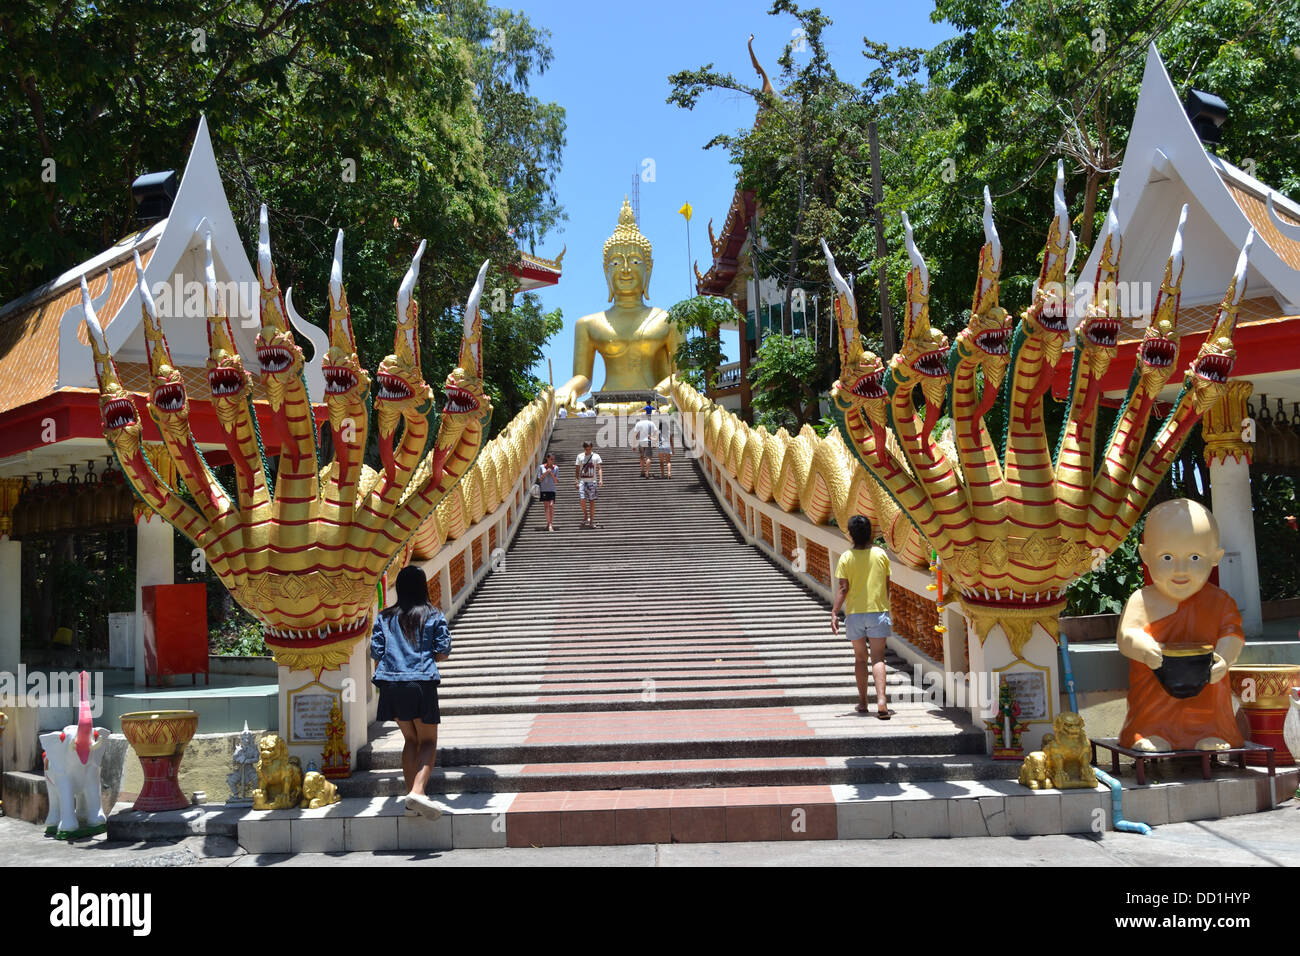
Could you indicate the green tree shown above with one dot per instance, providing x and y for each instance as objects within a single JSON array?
[
  {"x": 782, "y": 377},
  {"x": 699, "y": 352},
  {"x": 368, "y": 116}
]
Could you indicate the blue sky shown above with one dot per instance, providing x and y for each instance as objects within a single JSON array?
[{"x": 610, "y": 73}]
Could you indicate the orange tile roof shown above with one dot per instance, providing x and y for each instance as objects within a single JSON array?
[
  {"x": 29, "y": 337},
  {"x": 1256, "y": 211}
]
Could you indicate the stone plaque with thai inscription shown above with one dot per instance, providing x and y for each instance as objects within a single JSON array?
[
  {"x": 1030, "y": 690},
  {"x": 309, "y": 712}
]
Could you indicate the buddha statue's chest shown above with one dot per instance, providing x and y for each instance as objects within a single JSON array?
[{"x": 622, "y": 337}]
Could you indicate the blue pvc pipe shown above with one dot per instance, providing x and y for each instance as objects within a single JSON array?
[{"x": 1116, "y": 799}]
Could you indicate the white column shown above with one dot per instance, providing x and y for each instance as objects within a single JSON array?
[
  {"x": 1239, "y": 570},
  {"x": 155, "y": 563},
  {"x": 11, "y": 577}
]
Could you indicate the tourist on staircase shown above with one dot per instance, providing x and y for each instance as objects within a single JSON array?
[
  {"x": 408, "y": 640},
  {"x": 643, "y": 435},
  {"x": 588, "y": 476},
  {"x": 862, "y": 590},
  {"x": 546, "y": 476},
  {"x": 666, "y": 448}
]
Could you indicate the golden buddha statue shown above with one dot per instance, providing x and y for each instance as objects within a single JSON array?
[{"x": 636, "y": 340}]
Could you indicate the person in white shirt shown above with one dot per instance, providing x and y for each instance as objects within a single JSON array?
[
  {"x": 645, "y": 439},
  {"x": 562, "y": 414},
  {"x": 588, "y": 476},
  {"x": 665, "y": 432}
]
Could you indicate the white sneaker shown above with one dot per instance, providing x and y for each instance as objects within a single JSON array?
[{"x": 417, "y": 804}]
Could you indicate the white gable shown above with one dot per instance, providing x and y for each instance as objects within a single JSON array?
[
  {"x": 177, "y": 263},
  {"x": 1165, "y": 165}
]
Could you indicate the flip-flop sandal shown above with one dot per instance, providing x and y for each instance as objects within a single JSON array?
[
  {"x": 859, "y": 709},
  {"x": 884, "y": 715}
]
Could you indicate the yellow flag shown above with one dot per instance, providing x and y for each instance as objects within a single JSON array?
[{"x": 686, "y": 211}]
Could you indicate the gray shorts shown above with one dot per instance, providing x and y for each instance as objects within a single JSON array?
[
  {"x": 587, "y": 491},
  {"x": 858, "y": 626}
]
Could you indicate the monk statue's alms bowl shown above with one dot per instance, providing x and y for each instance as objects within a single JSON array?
[{"x": 1186, "y": 669}]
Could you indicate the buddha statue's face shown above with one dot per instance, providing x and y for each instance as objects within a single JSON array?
[
  {"x": 1180, "y": 547},
  {"x": 627, "y": 271}
]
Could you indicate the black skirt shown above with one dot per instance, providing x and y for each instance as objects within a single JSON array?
[{"x": 408, "y": 700}]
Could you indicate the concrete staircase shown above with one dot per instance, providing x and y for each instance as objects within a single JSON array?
[{"x": 658, "y": 650}]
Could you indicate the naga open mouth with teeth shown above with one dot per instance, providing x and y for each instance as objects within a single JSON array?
[
  {"x": 870, "y": 386},
  {"x": 273, "y": 359},
  {"x": 170, "y": 397},
  {"x": 993, "y": 341},
  {"x": 392, "y": 388},
  {"x": 1212, "y": 368},
  {"x": 1158, "y": 352},
  {"x": 1102, "y": 332},
  {"x": 119, "y": 413},
  {"x": 338, "y": 380},
  {"x": 225, "y": 381},
  {"x": 932, "y": 364},
  {"x": 459, "y": 401}
]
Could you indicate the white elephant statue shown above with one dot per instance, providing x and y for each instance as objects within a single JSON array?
[{"x": 72, "y": 762}]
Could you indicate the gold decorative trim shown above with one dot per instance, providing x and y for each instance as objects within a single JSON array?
[
  {"x": 1222, "y": 426},
  {"x": 327, "y": 657},
  {"x": 1016, "y": 622}
]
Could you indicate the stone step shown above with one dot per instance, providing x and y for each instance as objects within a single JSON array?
[
  {"x": 796, "y": 771},
  {"x": 922, "y": 809}
]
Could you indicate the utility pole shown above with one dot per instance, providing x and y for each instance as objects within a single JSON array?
[{"x": 877, "y": 196}]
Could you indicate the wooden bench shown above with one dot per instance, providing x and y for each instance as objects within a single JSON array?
[{"x": 1208, "y": 758}]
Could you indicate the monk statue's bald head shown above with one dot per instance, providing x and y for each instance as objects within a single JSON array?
[{"x": 1180, "y": 547}]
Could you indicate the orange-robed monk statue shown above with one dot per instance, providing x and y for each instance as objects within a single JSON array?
[{"x": 1181, "y": 634}]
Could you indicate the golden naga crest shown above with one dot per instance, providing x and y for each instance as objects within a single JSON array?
[
  {"x": 304, "y": 557},
  {"x": 1013, "y": 521}
]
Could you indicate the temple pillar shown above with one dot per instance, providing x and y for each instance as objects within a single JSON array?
[
  {"x": 1225, "y": 429},
  {"x": 1033, "y": 672},
  {"x": 11, "y": 578},
  {"x": 155, "y": 563},
  {"x": 306, "y": 695}
]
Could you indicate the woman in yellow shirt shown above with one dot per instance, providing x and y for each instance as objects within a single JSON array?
[{"x": 862, "y": 579}]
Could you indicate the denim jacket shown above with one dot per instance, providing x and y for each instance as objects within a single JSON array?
[{"x": 398, "y": 660}]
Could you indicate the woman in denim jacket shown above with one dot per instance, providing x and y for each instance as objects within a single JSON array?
[{"x": 409, "y": 638}]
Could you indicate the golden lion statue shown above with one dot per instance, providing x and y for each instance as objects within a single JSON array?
[
  {"x": 317, "y": 792},
  {"x": 1065, "y": 762},
  {"x": 1033, "y": 772},
  {"x": 279, "y": 776}
]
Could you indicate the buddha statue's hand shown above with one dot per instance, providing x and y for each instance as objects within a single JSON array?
[
  {"x": 566, "y": 399},
  {"x": 1219, "y": 670}
]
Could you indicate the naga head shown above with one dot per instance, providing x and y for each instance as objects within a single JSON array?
[
  {"x": 923, "y": 358},
  {"x": 1098, "y": 332},
  {"x": 1208, "y": 373},
  {"x": 116, "y": 406},
  {"x": 986, "y": 339},
  {"x": 279, "y": 356},
  {"x": 467, "y": 401},
  {"x": 1159, "y": 348},
  {"x": 402, "y": 389},
  {"x": 168, "y": 402},
  {"x": 861, "y": 383},
  {"x": 228, "y": 383},
  {"x": 1046, "y": 317},
  {"x": 346, "y": 382}
]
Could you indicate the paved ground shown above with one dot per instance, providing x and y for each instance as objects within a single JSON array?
[{"x": 1261, "y": 839}]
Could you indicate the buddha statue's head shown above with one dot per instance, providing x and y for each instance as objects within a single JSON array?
[{"x": 627, "y": 258}]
